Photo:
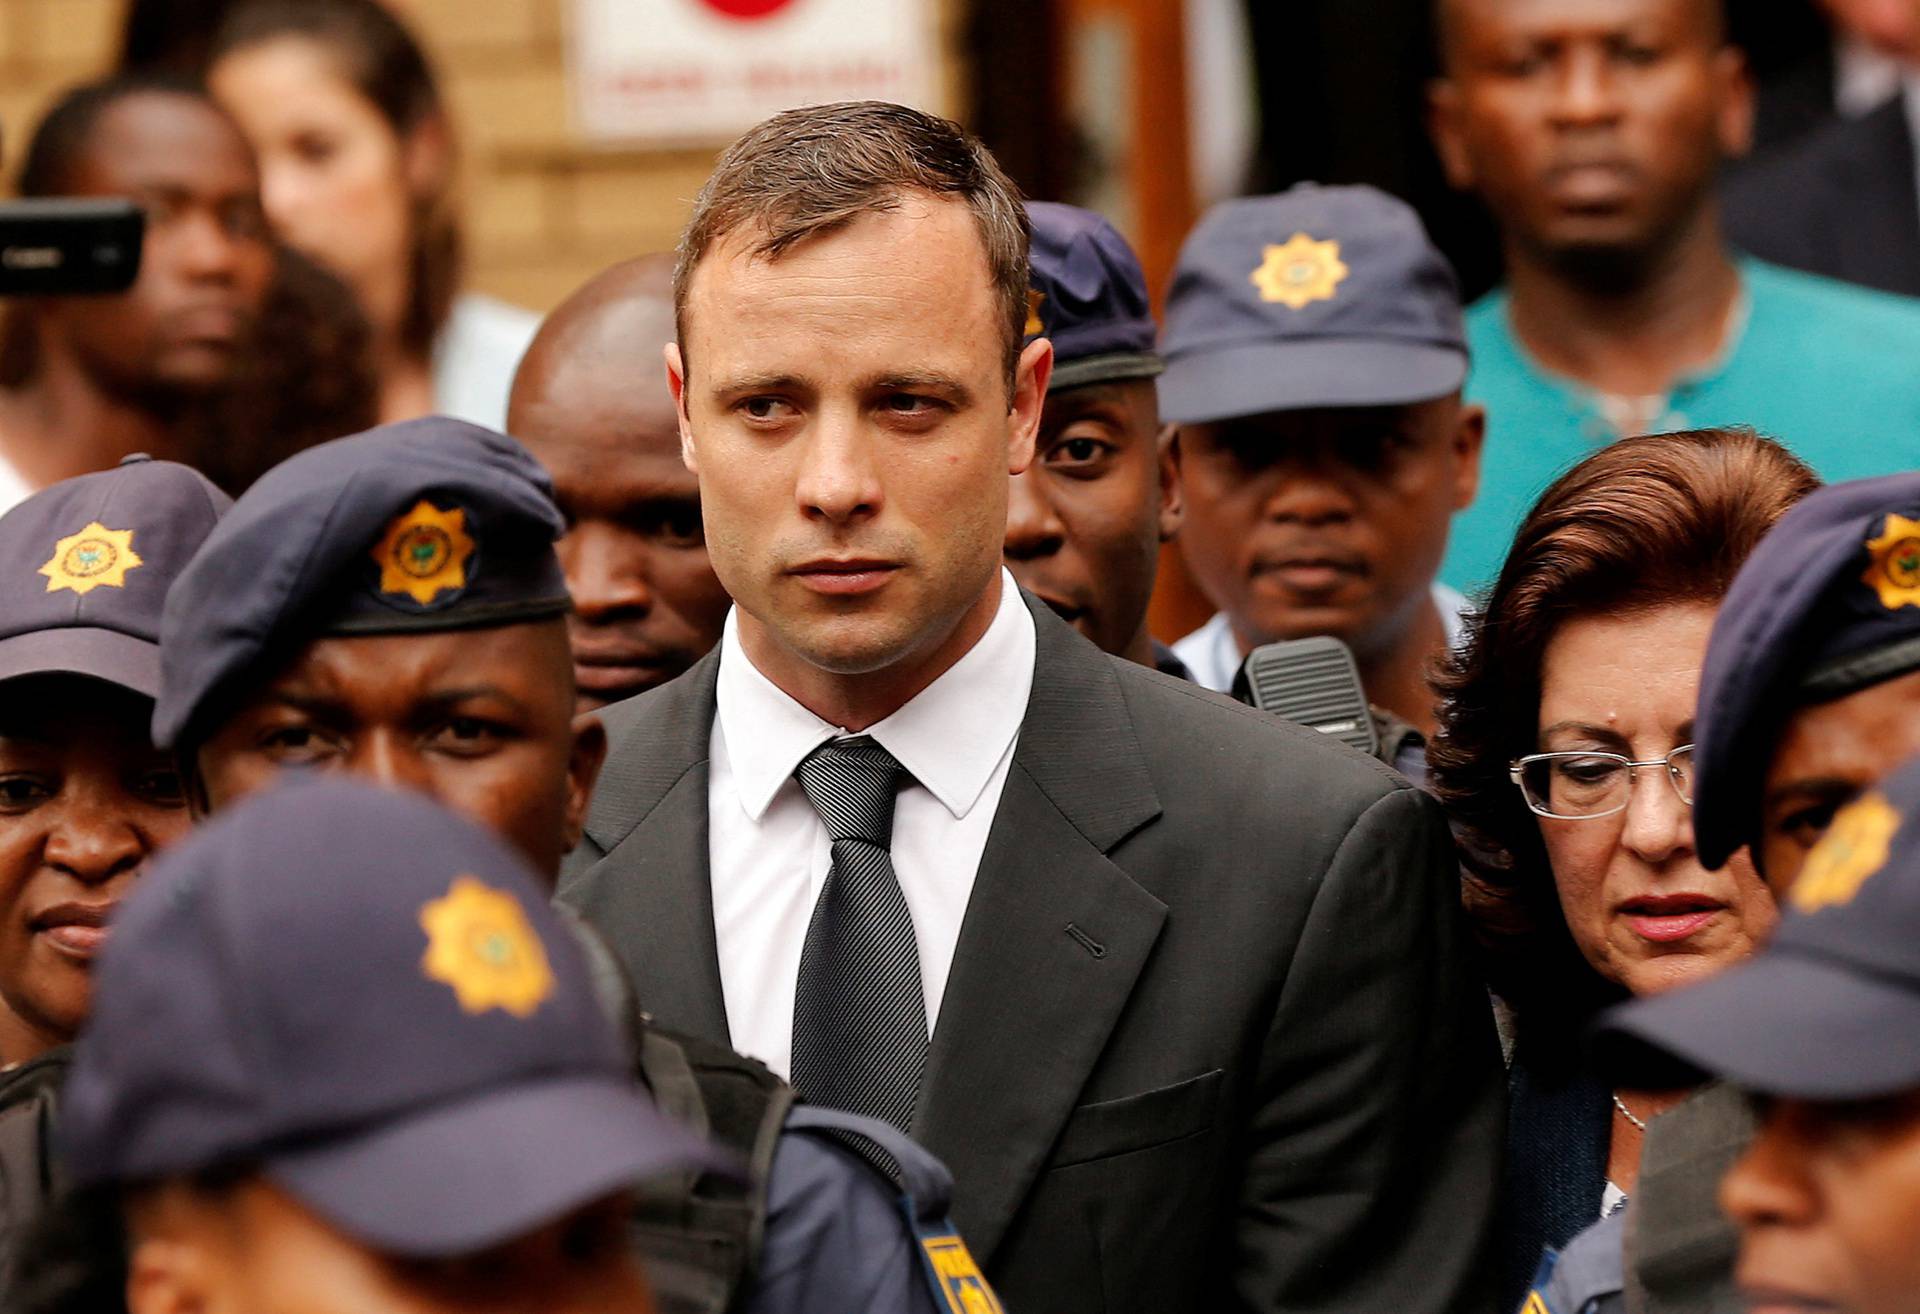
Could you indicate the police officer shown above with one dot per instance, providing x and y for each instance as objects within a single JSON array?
[
  {"x": 1086, "y": 520},
  {"x": 345, "y": 1055},
  {"x": 391, "y": 605},
  {"x": 1315, "y": 356},
  {"x": 1809, "y": 695},
  {"x": 85, "y": 799},
  {"x": 1822, "y": 1027}
]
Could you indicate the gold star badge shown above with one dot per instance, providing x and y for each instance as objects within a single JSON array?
[
  {"x": 1300, "y": 272},
  {"x": 1894, "y": 572},
  {"x": 960, "y": 1279},
  {"x": 480, "y": 942},
  {"x": 94, "y": 557},
  {"x": 1854, "y": 848},
  {"x": 1035, "y": 325},
  {"x": 424, "y": 553}
]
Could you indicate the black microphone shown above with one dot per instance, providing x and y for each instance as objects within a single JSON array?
[{"x": 1313, "y": 682}]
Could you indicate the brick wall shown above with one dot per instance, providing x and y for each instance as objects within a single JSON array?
[{"x": 543, "y": 212}]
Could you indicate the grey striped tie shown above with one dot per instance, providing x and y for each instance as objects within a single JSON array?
[{"x": 859, "y": 1017}]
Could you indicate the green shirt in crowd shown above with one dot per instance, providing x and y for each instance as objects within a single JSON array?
[{"x": 1829, "y": 369}]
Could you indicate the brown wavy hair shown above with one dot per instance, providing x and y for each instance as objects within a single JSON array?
[
  {"x": 380, "y": 58},
  {"x": 1645, "y": 522}
]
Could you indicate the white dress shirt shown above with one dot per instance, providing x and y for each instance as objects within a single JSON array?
[
  {"x": 1213, "y": 656},
  {"x": 475, "y": 357},
  {"x": 769, "y": 855}
]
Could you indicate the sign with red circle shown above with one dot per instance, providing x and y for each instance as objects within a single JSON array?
[
  {"x": 699, "y": 72},
  {"x": 748, "y": 9}
]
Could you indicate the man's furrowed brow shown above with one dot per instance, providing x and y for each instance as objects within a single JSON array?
[
  {"x": 746, "y": 385},
  {"x": 937, "y": 382}
]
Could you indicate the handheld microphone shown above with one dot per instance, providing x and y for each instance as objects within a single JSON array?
[{"x": 1313, "y": 682}]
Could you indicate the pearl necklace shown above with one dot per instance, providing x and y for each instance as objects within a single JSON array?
[{"x": 1627, "y": 1113}]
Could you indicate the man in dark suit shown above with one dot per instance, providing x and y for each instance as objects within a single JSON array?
[
  {"x": 1177, "y": 990},
  {"x": 1842, "y": 201}
]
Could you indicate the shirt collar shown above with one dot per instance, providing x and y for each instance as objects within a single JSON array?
[
  {"x": 1588, "y": 404},
  {"x": 1214, "y": 657},
  {"x": 950, "y": 736}
]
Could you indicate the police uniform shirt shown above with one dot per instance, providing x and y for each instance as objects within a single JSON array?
[
  {"x": 769, "y": 851},
  {"x": 1585, "y": 1278}
]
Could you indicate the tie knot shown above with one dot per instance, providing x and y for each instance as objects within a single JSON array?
[{"x": 851, "y": 784}]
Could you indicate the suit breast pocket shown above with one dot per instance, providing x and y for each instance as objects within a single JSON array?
[{"x": 1138, "y": 1122}]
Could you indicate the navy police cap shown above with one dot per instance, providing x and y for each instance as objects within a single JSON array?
[
  {"x": 368, "y": 1000},
  {"x": 1320, "y": 296},
  {"x": 430, "y": 524},
  {"x": 1827, "y": 604},
  {"x": 1088, "y": 297},
  {"x": 1829, "y": 1009},
  {"x": 87, "y": 565}
]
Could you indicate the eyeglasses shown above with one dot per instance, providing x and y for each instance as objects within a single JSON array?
[{"x": 1576, "y": 786}]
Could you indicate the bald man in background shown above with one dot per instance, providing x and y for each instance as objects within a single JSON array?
[{"x": 590, "y": 404}]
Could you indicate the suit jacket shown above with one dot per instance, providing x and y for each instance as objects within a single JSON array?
[
  {"x": 1840, "y": 201},
  {"x": 1209, "y": 1042}
]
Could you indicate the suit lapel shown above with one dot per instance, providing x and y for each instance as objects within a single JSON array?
[
  {"x": 1054, "y": 938},
  {"x": 1883, "y": 215},
  {"x": 651, "y": 893}
]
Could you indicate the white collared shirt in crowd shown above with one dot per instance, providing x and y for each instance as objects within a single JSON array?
[
  {"x": 769, "y": 854},
  {"x": 1213, "y": 657}
]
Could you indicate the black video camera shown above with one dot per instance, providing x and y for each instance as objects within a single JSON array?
[{"x": 58, "y": 247}]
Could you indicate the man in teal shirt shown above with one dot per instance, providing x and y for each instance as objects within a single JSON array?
[{"x": 1594, "y": 129}]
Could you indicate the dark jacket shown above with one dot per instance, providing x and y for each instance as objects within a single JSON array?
[
  {"x": 1559, "y": 1128},
  {"x": 1841, "y": 201},
  {"x": 1680, "y": 1249},
  {"x": 1211, "y": 1040}
]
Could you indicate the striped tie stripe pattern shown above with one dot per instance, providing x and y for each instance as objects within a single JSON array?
[{"x": 859, "y": 1014}]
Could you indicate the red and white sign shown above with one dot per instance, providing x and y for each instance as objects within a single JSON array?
[{"x": 695, "y": 71}]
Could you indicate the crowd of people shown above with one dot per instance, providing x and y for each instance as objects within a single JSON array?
[{"x": 678, "y": 806}]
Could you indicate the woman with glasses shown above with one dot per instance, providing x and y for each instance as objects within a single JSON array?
[{"x": 1565, "y": 756}]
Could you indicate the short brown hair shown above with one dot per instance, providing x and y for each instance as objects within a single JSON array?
[
  {"x": 1640, "y": 524},
  {"x": 807, "y": 172}
]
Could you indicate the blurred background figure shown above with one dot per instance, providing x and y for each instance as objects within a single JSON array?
[
  {"x": 1595, "y": 131},
  {"x": 357, "y": 157},
  {"x": 1086, "y": 520},
  {"x": 229, "y": 353},
  {"x": 590, "y": 402},
  {"x": 1314, "y": 362},
  {"x": 1822, "y": 60},
  {"x": 308, "y": 376},
  {"x": 1844, "y": 200},
  {"x": 1566, "y": 760},
  {"x": 85, "y": 381}
]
